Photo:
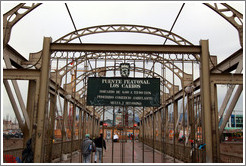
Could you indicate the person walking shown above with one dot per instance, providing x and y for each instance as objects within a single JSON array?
[
  {"x": 115, "y": 138},
  {"x": 100, "y": 143},
  {"x": 87, "y": 147}
]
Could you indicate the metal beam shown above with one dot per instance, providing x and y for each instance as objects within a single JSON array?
[
  {"x": 227, "y": 65},
  {"x": 18, "y": 93},
  {"x": 231, "y": 108},
  {"x": 13, "y": 103},
  {"x": 32, "y": 99},
  {"x": 206, "y": 100},
  {"x": 21, "y": 74},
  {"x": 230, "y": 63},
  {"x": 43, "y": 95},
  {"x": 226, "y": 78},
  {"x": 17, "y": 60},
  {"x": 175, "y": 49},
  {"x": 17, "y": 15},
  {"x": 229, "y": 92}
]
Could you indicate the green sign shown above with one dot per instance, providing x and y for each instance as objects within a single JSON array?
[{"x": 119, "y": 91}]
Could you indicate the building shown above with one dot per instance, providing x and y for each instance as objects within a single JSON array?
[
  {"x": 235, "y": 120},
  {"x": 9, "y": 125}
]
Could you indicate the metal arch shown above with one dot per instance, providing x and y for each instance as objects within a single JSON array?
[
  {"x": 231, "y": 19},
  {"x": 187, "y": 78},
  {"x": 127, "y": 56},
  {"x": 8, "y": 25},
  {"x": 123, "y": 28},
  {"x": 165, "y": 82}
]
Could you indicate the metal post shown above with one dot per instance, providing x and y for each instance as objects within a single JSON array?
[
  {"x": 31, "y": 101},
  {"x": 153, "y": 125},
  {"x": 166, "y": 128},
  {"x": 113, "y": 134},
  {"x": 143, "y": 134},
  {"x": 43, "y": 93},
  {"x": 51, "y": 126},
  {"x": 162, "y": 134},
  {"x": 163, "y": 117},
  {"x": 72, "y": 131},
  {"x": 192, "y": 124},
  {"x": 122, "y": 135},
  {"x": 74, "y": 111},
  {"x": 93, "y": 128},
  {"x": 64, "y": 126},
  {"x": 174, "y": 116},
  {"x": 133, "y": 138},
  {"x": 80, "y": 126},
  {"x": 215, "y": 127},
  {"x": 83, "y": 131},
  {"x": 206, "y": 99},
  {"x": 64, "y": 114},
  {"x": 103, "y": 128}
]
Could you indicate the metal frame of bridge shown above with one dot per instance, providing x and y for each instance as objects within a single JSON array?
[{"x": 57, "y": 81}]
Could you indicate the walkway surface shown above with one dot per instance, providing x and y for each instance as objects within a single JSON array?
[{"x": 127, "y": 156}]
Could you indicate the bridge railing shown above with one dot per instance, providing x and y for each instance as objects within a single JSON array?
[
  {"x": 66, "y": 149},
  {"x": 180, "y": 152}
]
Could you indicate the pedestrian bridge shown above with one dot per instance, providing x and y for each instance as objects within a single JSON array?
[{"x": 160, "y": 99}]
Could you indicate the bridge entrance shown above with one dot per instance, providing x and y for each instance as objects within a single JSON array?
[{"x": 160, "y": 100}]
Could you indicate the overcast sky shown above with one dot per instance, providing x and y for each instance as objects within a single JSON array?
[{"x": 51, "y": 19}]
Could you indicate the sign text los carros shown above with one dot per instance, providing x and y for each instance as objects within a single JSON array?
[{"x": 103, "y": 91}]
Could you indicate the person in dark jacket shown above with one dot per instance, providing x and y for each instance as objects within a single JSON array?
[
  {"x": 27, "y": 153},
  {"x": 100, "y": 143}
]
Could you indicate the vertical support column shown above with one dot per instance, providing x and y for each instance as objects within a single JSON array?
[
  {"x": 159, "y": 122},
  {"x": 206, "y": 99},
  {"x": 162, "y": 134},
  {"x": 43, "y": 93},
  {"x": 133, "y": 132},
  {"x": 88, "y": 124},
  {"x": 175, "y": 113},
  {"x": 153, "y": 127},
  {"x": 51, "y": 126},
  {"x": 80, "y": 128},
  {"x": 93, "y": 122},
  {"x": 215, "y": 126},
  {"x": 73, "y": 131},
  {"x": 93, "y": 130},
  {"x": 64, "y": 122},
  {"x": 103, "y": 130},
  {"x": 83, "y": 131},
  {"x": 190, "y": 111},
  {"x": 30, "y": 108},
  {"x": 166, "y": 129},
  {"x": 175, "y": 109},
  {"x": 123, "y": 134},
  {"x": 143, "y": 121},
  {"x": 113, "y": 134}
]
